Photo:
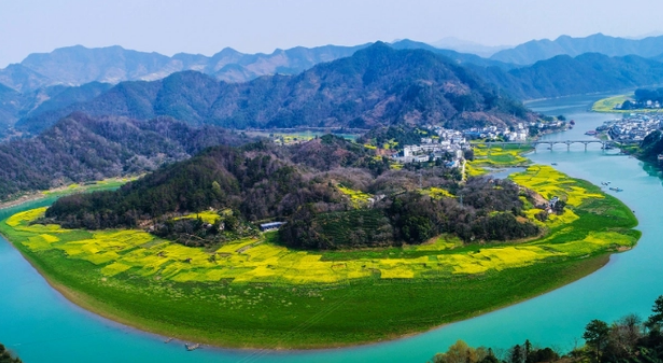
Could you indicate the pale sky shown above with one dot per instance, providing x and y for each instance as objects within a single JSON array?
[{"x": 206, "y": 26}]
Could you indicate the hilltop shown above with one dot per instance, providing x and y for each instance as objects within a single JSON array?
[
  {"x": 376, "y": 86},
  {"x": 332, "y": 193}
]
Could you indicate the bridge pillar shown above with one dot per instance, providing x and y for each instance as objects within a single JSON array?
[
  {"x": 568, "y": 146},
  {"x": 586, "y": 146}
]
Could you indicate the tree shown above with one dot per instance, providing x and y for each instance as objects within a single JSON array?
[
  {"x": 528, "y": 350},
  {"x": 516, "y": 354},
  {"x": 459, "y": 352},
  {"x": 597, "y": 337},
  {"x": 655, "y": 320},
  {"x": 6, "y": 356}
]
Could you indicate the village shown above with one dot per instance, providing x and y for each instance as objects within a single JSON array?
[
  {"x": 450, "y": 145},
  {"x": 633, "y": 127}
]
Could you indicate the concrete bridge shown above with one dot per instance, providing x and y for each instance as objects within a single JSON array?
[{"x": 604, "y": 143}]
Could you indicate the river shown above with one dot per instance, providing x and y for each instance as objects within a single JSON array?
[{"x": 43, "y": 327}]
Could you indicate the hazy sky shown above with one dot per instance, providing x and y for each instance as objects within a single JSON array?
[{"x": 205, "y": 26}]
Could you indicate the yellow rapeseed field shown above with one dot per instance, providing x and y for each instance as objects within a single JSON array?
[
  {"x": 549, "y": 182},
  {"x": 359, "y": 199},
  {"x": 207, "y": 216},
  {"x": 136, "y": 252}
]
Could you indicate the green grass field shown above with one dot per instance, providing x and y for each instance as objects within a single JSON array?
[{"x": 256, "y": 293}]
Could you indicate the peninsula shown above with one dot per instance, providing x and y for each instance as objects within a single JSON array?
[{"x": 368, "y": 259}]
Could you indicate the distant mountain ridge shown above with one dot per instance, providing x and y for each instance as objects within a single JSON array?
[
  {"x": 376, "y": 86},
  {"x": 564, "y": 75},
  {"x": 77, "y": 65},
  {"x": 15, "y": 106},
  {"x": 464, "y": 46},
  {"x": 537, "y": 50}
]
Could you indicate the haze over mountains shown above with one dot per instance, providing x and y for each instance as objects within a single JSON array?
[
  {"x": 77, "y": 65},
  {"x": 317, "y": 87},
  {"x": 536, "y": 50},
  {"x": 376, "y": 86}
]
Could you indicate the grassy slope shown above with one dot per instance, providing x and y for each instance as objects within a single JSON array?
[{"x": 314, "y": 316}]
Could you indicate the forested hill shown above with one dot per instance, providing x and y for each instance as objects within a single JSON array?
[
  {"x": 564, "y": 75},
  {"x": 15, "y": 105},
  {"x": 376, "y": 86},
  {"x": 80, "y": 148},
  {"x": 320, "y": 188}
]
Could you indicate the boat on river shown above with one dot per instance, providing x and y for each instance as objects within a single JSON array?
[
  {"x": 617, "y": 189},
  {"x": 190, "y": 347}
]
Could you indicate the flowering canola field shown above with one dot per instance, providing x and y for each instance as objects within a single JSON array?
[{"x": 137, "y": 253}]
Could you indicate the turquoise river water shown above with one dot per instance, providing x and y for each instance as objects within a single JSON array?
[{"x": 43, "y": 327}]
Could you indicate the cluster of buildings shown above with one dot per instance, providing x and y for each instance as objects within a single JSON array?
[
  {"x": 446, "y": 145},
  {"x": 634, "y": 127},
  {"x": 519, "y": 133},
  {"x": 434, "y": 149}
]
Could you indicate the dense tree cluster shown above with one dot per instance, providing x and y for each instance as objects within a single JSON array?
[
  {"x": 644, "y": 95},
  {"x": 299, "y": 185},
  {"x": 402, "y": 134},
  {"x": 652, "y": 146},
  {"x": 80, "y": 148},
  {"x": 460, "y": 352},
  {"x": 627, "y": 340},
  {"x": 490, "y": 213},
  {"x": 7, "y": 357}
]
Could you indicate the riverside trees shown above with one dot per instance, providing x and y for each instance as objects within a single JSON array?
[
  {"x": 627, "y": 340},
  {"x": 7, "y": 357}
]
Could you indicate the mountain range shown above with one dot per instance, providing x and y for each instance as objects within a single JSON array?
[
  {"x": 376, "y": 86},
  {"x": 537, "y": 50},
  {"x": 77, "y": 65},
  {"x": 465, "y": 46},
  {"x": 564, "y": 75}
]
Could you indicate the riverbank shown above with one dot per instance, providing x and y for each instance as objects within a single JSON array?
[
  {"x": 106, "y": 184},
  {"x": 446, "y": 284}
]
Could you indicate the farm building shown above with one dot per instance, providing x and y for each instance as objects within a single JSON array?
[{"x": 271, "y": 226}]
